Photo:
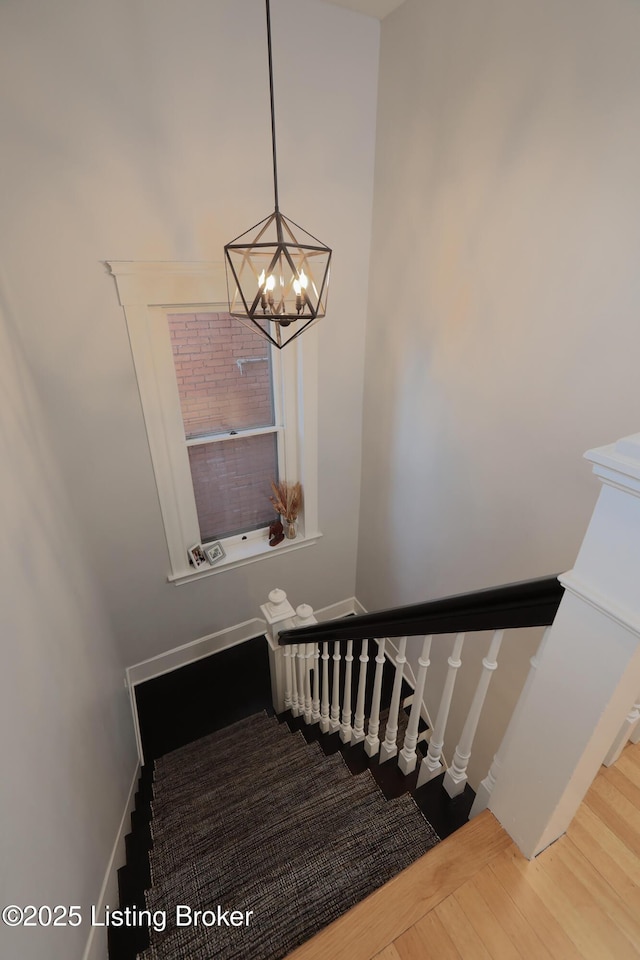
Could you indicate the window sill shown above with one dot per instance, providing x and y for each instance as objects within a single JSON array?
[{"x": 239, "y": 553}]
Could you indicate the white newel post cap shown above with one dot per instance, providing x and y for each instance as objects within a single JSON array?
[
  {"x": 607, "y": 568},
  {"x": 304, "y": 615},
  {"x": 277, "y": 608},
  {"x": 618, "y": 464}
]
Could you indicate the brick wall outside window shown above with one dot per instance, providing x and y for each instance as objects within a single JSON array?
[
  {"x": 231, "y": 484},
  {"x": 216, "y": 393},
  {"x": 231, "y": 478}
]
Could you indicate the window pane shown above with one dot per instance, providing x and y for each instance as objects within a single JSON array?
[
  {"x": 224, "y": 374},
  {"x": 232, "y": 484}
]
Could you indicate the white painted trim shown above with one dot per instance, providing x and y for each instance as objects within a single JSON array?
[
  {"x": 166, "y": 283},
  {"x": 194, "y": 650},
  {"x": 251, "y": 553},
  {"x": 618, "y": 464},
  {"x": 147, "y": 292},
  {"x": 134, "y": 714},
  {"x": 343, "y": 608},
  {"x": 96, "y": 948},
  {"x": 589, "y": 594},
  {"x": 357, "y": 607},
  {"x": 238, "y": 435}
]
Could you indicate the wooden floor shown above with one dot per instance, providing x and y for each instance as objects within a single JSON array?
[{"x": 476, "y": 897}]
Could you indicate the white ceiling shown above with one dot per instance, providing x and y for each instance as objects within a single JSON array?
[{"x": 374, "y": 8}]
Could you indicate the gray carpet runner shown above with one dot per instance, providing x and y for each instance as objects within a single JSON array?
[{"x": 253, "y": 818}]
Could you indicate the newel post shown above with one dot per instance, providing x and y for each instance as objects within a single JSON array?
[
  {"x": 589, "y": 674},
  {"x": 277, "y": 612}
]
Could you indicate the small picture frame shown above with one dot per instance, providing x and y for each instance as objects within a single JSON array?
[
  {"x": 214, "y": 552},
  {"x": 197, "y": 556}
]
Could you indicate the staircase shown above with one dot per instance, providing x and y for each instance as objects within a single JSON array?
[
  {"x": 344, "y": 754},
  {"x": 300, "y": 815},
  {"x": 256, "y": 817},
  {"x": 275, "y": 826}
]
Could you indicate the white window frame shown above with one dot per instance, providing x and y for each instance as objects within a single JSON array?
[{"x": 148, "y": 292}]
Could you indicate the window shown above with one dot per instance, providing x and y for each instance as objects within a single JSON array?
[
  {"x": 224, "y": 373},
  {"x": 224, "y": 413}
]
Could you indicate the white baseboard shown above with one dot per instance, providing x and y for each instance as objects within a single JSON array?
[
  {"x": 343, "y": 608},
  {"x": 194, "y": 650},
  {"x": 96, "y": 948}
]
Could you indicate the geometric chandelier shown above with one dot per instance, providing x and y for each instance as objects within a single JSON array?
[{"x": 277, "y": 272}]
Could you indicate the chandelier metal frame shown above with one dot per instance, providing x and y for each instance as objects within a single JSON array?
[{"x": 277, "y": 272}]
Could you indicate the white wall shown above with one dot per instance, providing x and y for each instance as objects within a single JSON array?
[
  {"x": 503, "y": 334},
  {"x": 66, "y": 741},
  {"x": 503, "y": 330},
  {"x": 141, "y": 131}
]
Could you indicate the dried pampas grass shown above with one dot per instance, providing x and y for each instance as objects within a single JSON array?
[{"x": 286, "y": 499}]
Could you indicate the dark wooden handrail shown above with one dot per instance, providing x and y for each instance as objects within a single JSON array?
[{"x": 529, "y": 603}]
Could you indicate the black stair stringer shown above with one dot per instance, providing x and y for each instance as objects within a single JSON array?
[{"x": 134, "y": 878}]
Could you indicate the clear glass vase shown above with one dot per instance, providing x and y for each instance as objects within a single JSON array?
[{"x": 290, "y": 529}]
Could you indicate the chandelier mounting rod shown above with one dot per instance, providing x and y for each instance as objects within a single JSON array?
[{"x": 273, "y": 115}]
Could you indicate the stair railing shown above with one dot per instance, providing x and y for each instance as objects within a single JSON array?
[{"x": 319, "y": 676}]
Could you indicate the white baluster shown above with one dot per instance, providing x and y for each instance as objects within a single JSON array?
[
  {"x": 304, "y": 618},
  {"x": 324, "y": 712},
  {"x": 390, "y": 747},
  {"x": 287, "y": 676},
  {"x": 486, "y": 786},
  {"x": 358, "y": 723},
  {"x": 345, "y": 726},
  {"x": 432, "y": 763},
  {"x": 456, "y": 776},
  {"x": 334, "y": 721},
  {"x": 630, "y": 729},
  {"x": 302, "y": 661},
  {"x": 308, "y": 663},
  {"x": 372, "y": 742},
  {"x": 295, "y": 700},
  {"x": 315, "y": 703},
  {"x": 408, "y": 755}
]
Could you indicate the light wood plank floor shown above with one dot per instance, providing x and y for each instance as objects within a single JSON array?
[{"x": 475, "y": 897}]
